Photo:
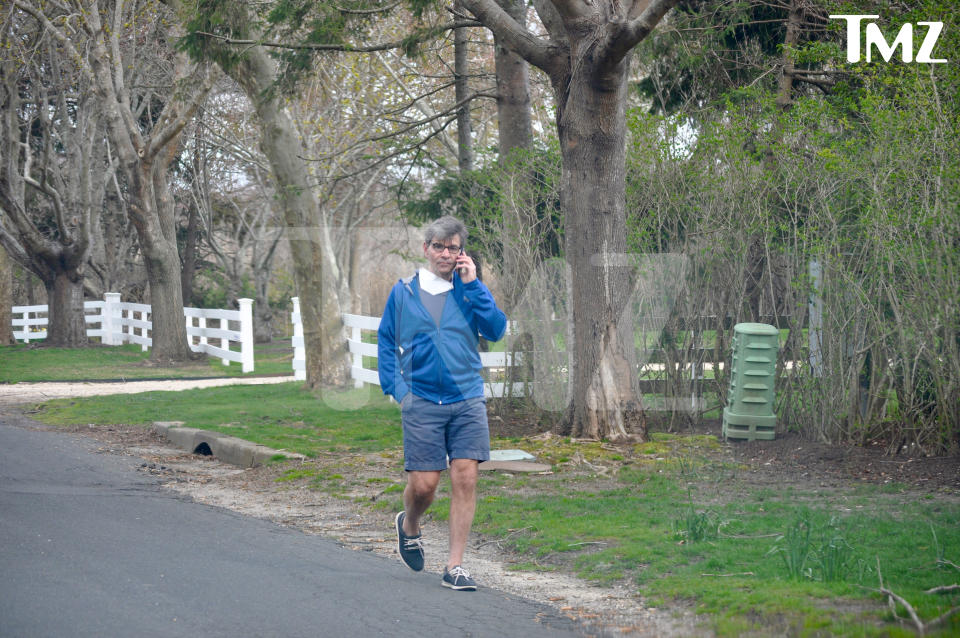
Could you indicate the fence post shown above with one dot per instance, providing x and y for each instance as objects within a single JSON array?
[
  {"x": 188, "y": 322},
  {"x": 357, "y": 335},
  {"x": 108, "y": 319},
  {"x": 26, "y": 326},
  {"x": 246, "y": 334},
  {"x": 299, "y": 351},
  {"x": 143, "y": 331},
  {"x": 224, "y": 342}
]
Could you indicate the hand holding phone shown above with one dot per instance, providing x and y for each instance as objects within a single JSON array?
[{"x": 466, "y": 267}]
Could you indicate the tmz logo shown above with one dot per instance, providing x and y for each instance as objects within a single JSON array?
[{"x": 904, "y": 40}]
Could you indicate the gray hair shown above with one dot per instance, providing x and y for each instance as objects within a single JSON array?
[{"x": 445, "y": 228}]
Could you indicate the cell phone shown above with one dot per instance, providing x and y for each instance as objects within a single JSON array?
[{"x": 463, "y": 270}]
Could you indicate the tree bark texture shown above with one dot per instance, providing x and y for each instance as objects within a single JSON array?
[
  {"x": 515, "y": 136},
  {"x": 262, "y": 312},
  {"x": 6, "y": 299},
  {"x": 188, "y": 268},
  {"x": 66, "y": 293},
  {"x": 757, "y": 266},
  {"x": 513, "y": 89},
  {"x": 461, "y": 69},
  {"x": 792, "y": 36},
  {"x": 592, "y": 133},
  {"x": 155, "y": 222}
]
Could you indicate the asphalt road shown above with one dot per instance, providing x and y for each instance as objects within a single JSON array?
[{"x": 89, "y": 546}]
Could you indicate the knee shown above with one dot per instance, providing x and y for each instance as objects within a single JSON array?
[
  {"x": 463, "y": 473},
  {"x": 422, "y": 486}
]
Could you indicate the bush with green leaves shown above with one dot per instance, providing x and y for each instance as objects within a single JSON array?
[{"x": 847, "y": 205}]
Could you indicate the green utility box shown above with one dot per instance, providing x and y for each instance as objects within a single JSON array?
[{"x": 749, "y": 412}]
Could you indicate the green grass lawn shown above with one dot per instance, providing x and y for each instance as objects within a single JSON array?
[
  {"x": 39, "y": 363},
  {"x": 676, "y": 524},
  {"x": 670, "y": 517},
  {"x": 727, "y": 554},
  {"x": 281, "y": 415}
]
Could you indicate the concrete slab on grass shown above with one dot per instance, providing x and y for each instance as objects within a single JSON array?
[
  {"x": 226, "y": 448},
  {"x": 511, "y": 455},
  {"x": 514, "y": 466}
]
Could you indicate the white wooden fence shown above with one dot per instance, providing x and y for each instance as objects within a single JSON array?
[
  {"x": 29, "y": 325},
  {"x": 356, "y": 324},
  {"x": 123, "y": 322},
  {"x": 497, "y": 362}
]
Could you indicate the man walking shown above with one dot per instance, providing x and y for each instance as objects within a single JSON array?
[{"x": 428, "y": 361}]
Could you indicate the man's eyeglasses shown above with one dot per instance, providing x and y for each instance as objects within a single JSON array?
[{"x": 440, "y": 247}]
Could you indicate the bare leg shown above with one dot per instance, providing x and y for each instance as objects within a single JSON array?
[
  {"x": 463, "y": 504},
  {"x": 417, "y": 496}
]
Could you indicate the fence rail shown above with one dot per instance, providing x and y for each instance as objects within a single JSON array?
[
  {"x": 125, "y": 322},
  {"x": 33, "y": 327},
  {"x": 687, "y": 377}
]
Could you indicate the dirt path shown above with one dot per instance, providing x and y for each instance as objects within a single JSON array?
[
  {"x": 19, "y": 393},
  {"x": 603, "y": 611}
]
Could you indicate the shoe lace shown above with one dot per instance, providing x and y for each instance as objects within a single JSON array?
[
  {"x": 413, "y": 543},
  {"x": 458, "y": 572}
]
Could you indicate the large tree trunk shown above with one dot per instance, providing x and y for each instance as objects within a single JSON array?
[
  {"x": 324, "y": 337},
  {"x": 262, "y": 312},
  {"x": 592, "y": 132},
  {"x": 188, "y": 268},
  {"x": 261, "y": 264},
  {"x": 513, "y": 89},
  {"x": 461, "y": 69},
  {"x": 169, "y": 333},
  {"x": 515, "y": 136},
  {"x": 6, "y": 299},
  {"x": 66, "y": 326}
]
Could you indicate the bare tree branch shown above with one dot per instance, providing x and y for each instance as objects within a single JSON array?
[
  {"x": 622, "y": 35},
  {"x": 397, "y": 153},
  {"x": 427, "y": 34},
  {"x": 538, "y": 52},
  {"x": 58, "y": 35},
  {"x": 572, "y": 9},
  {"x": 366, "y": 12},
  {"x": 552, "y": 21},
  {"x": 10, "y": 243},
  {"x": 172, "y": 122},
  {"x": 411, "y": 126},
  {"x": 418, "y": 103}
]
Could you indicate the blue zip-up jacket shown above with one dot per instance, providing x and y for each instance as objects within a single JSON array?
[{"x": 439, "y": 363}]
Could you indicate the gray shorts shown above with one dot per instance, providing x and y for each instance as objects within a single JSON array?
[{"x": 432, "y": 433}]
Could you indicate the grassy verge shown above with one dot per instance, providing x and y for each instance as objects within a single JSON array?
[
  {"x": 278, "y": 415},
  {"x": 30, "y": 363},
  {"x": 669, "y": 517},
  {"x": 768, "y": 557}
]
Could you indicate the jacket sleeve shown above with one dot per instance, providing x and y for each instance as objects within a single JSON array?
[
  {"x": 490, "y": 321},
  {"x": 388, "y": 355}
]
